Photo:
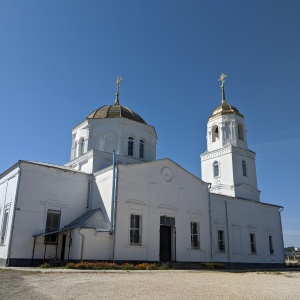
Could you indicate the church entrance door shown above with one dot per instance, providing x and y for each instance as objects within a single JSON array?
[
  {"x": 165, "y": 243},
  {"x": 63, "y": 247}
]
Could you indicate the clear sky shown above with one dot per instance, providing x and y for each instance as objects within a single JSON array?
[{"x": 59, "y": 61}]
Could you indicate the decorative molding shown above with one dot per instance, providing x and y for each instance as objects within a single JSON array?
[
  {"x": 166, "y": 174},
  {"x": 134, "y": 201}
]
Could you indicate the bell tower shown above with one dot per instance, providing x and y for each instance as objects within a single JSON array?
[{"x": 228, "y": 164}]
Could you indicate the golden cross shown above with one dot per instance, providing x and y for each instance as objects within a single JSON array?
[
  {"x": 119, "y": 79},
  {"x": 222, "y": 78}
]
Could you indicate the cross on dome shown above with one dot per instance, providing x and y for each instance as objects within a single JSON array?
[
  {"x": 222, "y": 79},
  {"x": 119, "y": 79}
]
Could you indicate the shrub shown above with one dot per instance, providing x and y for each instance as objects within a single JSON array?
[
  {"x": 128, "y": 266},
  {"x": 45, "y": 266},
  {"x": 213, "y": 265}
]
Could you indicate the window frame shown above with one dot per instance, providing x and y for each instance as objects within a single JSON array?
[
  {"x": 252, "y": 240},
  {"x": 241, "y": 134},
  {"x": 135, "y": 230},
  {"x": 221, "y": 240},
  {"x": 244, "y": 168},
  {"x": 195, "y": 235},
  {"x": 52, "y": 239},
  {"x": 81, "y": 147},
  {"x": 130, "y": 146},
  {"x": 271, "y": 247},
  {"x": 216, "y": 169},
  {"x": 4, "y": 224},
  {"x": 142, "y": 149}
]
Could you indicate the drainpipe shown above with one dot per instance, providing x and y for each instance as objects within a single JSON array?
[
  {"x": 115, "y": 215},
  {"x": 210, "y": 224},
  {"x": 14, "y": 215},
  {"x": 88, "y": 193},
  {"x": 113, "y": 194},
  {"x": 227, "y": 227},
  {"x": 82, "y": 243},
  {"x": 280, "y": 210}
]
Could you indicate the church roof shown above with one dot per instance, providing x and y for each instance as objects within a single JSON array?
[
  {"x": 115, "y": 111},
  {"x": 225, "y": 109}
]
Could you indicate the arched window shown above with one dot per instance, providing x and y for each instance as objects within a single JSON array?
[
  {"x": 216, "y": 169},
  {"x": 81, "y": 147},
  {"x": 241, "y": 132},
  {"x": 244, "y": 168},
  {"x": 142, "y": 144},
  {"x": 215, "y": 133},
  {"x": 130, "y": 146}
]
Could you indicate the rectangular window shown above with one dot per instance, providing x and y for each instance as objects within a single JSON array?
[
  {"x": 252, "y": 243},
  {"x": 271, "y": 245},
  {"x": 221, "y": 241},
  {"x": 195, "y": 235},
  {"x": 167, "y": 221},
  {"x": 135, "y": 230},
  {"x": 4, "y": 225},
  {"x": 130, "y": 147},
  {"x": 52, "y": 224},
  {"x": 141, "y": 149}
]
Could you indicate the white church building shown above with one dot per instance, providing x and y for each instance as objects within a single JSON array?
[{"x": 114, "y": 201}]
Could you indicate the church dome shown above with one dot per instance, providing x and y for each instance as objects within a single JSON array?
[
  {"x": 225, "y": 109},
  {"x": 115, "y": 111}
]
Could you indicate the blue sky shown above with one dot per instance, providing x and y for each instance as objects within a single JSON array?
[{"x": 59, "y": 61}]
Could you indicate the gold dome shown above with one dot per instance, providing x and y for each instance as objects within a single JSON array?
[
  {"x": 115, "y": 111},
  {"x": 225, "y": 109}
]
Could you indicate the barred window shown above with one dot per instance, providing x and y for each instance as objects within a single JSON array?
[
  {"x": 216, "y": 169},
  {"x": 52, "y": 224},
  {"x": 135, "y": 230},
  {"x": 221, "y": 241},
  {"x": 195, "y": 235},
  {"x": 142, "y": 144},
  {"x": 130, "y": 146}
]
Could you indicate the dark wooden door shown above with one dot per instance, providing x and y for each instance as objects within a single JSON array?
[
  {"x": 63, "y": 247},
  {"x": 165, "y": 243}
]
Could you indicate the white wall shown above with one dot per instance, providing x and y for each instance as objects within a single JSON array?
[
  {"x": 156, "y": 189},
  {"x": 243, "y": 217},
  {"x": 8, "y": 190},
  {"x": 42, "y": 188}
]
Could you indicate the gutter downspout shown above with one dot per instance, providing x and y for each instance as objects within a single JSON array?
[
  {"x": 14, "y": 215},
  {"x": 88, "y": 193},
  {"x": 227, "y": 227},
  {"x": 280, "y": 210},
  {"x": 210, "y": 224},
  {"x": 115, "y": 215},
  {"x": 113, "y": 194},
  {"x": 82, "y": 243}
]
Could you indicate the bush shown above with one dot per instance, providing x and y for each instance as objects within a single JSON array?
[
  {"x": 128, "y": 266},
  {"x": 45, "y": 266},
  {"x": 213, "y": 266}
]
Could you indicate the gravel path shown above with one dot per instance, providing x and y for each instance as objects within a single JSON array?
[{"x": 18, "y": 284}]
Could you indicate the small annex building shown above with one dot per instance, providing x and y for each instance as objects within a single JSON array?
[{"x": 115, "y": 201}]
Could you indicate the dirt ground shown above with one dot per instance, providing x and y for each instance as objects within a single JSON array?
[{"x": 65, "y": 284}]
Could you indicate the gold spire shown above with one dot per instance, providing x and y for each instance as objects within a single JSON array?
[
  {"x": 119, "y": 79},
  {"x": 222, "y": 78}
]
